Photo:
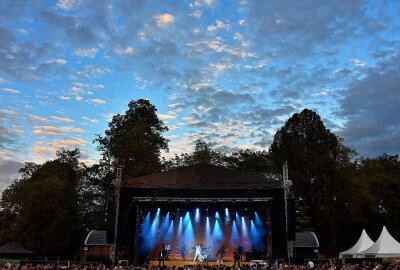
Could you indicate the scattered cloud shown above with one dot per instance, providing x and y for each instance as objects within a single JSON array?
[
  {"x": 36, "y": 119},
  {"x": 96, "y": 101},
  {"x": 62, "y": 119},
  {"x": 199, "y": 3},
  {"x": 54, "y": 131},
  {"x": 89, "y": 71},
  {"x": 90, "y": 52},
  {"x": 46, "y": 150},
  {"x": 165, "y": 19},
  {"x": 64, "y": 97},
  {"x": 166, "y": 116},
  {"x": 57, "y": 61},
  {"x": 11, "y": 90},
  {"x": 219, "y": 24},
  {"x": 196, "y": 14},
  {"x": 88, "y": 119},
  {"x": 358, "y": 62},
  {"x": 124, "y": 50},
  {"x": 66, "y": 4}
]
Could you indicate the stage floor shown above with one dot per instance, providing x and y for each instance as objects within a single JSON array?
[{"x": 184, "y": 263}]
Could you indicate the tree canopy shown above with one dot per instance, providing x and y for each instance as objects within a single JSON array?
[
  {"x": 41, "y": 209},
  {"x": 134, "y": 140},
  {"x": 316, "y": 158}
]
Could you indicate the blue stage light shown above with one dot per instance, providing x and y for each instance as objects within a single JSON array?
[
  {"x": 259, "y": 224},
  {"x": 170, "y": 232},
  {"x": 208, "y": 231},
  {"x": 227, "y": 217},
  {"x": 197, "y": 216},
  {"x": 244, "y": 228},
  {"x": 217, "y": 215},
  {"x": 237, "y": 218},
  {"x": 188, "y": 234},
  {"x": 234, "y": 240},
  {"x": 256, "y": 238},
  {"x": 165, "y": 224},
  {"x": 217, "y": 233}
]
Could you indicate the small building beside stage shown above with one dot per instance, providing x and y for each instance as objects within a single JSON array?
[{"x": 306, "y": 246}]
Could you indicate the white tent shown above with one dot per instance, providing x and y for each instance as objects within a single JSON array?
[
  {"x": 385, "y": 246},
  {"x": 363, "y": 243}
]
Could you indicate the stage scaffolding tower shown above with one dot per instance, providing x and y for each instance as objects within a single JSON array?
[
  {"x": 287, "y": 184},
  {"x": 117, "y": 186}
]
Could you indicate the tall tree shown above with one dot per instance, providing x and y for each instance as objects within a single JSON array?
[
  {"x": 315, "y": 157},
  {"x": 134, "y": 140},
  {"x": 41, "y": 209}
]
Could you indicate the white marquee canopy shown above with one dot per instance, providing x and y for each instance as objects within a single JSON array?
[{"x": 363, "y": 243}]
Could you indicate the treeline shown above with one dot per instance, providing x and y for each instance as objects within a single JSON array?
[{"x": 52, "y": 206}]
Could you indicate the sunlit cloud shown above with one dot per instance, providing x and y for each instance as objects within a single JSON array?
[
  {"x": 165, "y": 19},
  {"x": 62, "y": 119},
  {"x": 36, "y": 119},
  {"x": 54, "y": 131},
  {"x": 46, "y": 150},
  {"x": 167, "y": 116}
]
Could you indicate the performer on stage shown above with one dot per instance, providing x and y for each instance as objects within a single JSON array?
[
  {"x": 220, "y": 255},
  {"x": 162, "y": 255},
  {"x": 197, "y": 254},
  {"x": 236, "y": 257}
]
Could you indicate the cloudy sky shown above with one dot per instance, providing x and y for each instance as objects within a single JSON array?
[{"x": 228, "y": 71}]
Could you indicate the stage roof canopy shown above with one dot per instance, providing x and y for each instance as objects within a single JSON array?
[{"x": 203, "y": 176}]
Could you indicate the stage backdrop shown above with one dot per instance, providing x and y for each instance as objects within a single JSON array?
[{"x": 216, "y": 230}]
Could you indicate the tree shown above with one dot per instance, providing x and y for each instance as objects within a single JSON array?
[
  {"x": 134, "y": 140},
  {"x": 248, "y": 161},
  {"x": 202, "y": 154},
  {"x": 381, "y": 177},
  {"x": 41, "y": 208},
  {"x": 315, "y": 157}
]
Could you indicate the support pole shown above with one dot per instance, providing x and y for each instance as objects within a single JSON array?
[
  {"x": 117, "y": 185},
  {"x": 287, "y": 184},
  {"x": 136, "y": 247}
]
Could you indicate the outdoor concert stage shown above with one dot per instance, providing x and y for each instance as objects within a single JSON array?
[{"x": 202, "y": 213}]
